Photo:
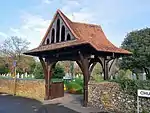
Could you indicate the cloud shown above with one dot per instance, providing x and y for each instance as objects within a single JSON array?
[
  {"x": 114, "y": 17},
  {"x": 46, "y": 1},
  {"x": 76, "y": 11},
  {"x": 3, "y": 35},
  {"x": 70, "y": 5},
  {"x": 81, "y": 16},
  {"x": 33, "y": 28}
]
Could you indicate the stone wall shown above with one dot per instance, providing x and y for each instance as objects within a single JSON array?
[
  {"x": 27, "y": 88},
  {"x": 108, "y": 96}
]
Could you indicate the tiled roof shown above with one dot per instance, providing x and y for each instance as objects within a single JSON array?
[
  {"x": 84, "y": 33},
  {"x": 56, "y": 46}
]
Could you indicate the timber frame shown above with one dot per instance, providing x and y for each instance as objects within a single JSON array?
[
  {"x": 86, "y": 64},
  {"x": 84, "y": 43}
]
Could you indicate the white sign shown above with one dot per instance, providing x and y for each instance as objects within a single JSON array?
[{"x": 144, "y": 93}]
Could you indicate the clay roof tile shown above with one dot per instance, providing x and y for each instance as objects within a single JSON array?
[{"x": 85, "y": 33}]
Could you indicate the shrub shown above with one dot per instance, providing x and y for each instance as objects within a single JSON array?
[
  {"x": 3, "y": 70},
  {"x": 79, "y": 81},
  {"x": 58, "y": 72},
  {"x": 75, "y": 86},
  {"x": 38, "y": 71},
  {"x": 124, "y": 74},
  {"x": 131, "y": 86},
  {"x": 97, "y": 78}
]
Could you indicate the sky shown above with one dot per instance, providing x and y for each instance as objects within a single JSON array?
[{"x": 30, "y": 19}]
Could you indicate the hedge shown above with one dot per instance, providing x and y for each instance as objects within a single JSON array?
[{"x": 131, "y": 86}]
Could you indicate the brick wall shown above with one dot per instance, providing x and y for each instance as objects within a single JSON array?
[{"x": 27, "y": 88}]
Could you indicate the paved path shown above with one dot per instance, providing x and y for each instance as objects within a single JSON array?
[
  {"x": 67, "y": 104},
  {"x": 14, "y": 104}
]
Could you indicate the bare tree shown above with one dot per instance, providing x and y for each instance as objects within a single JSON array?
[
  {"x": 14, "y": 47},
  {"x": 11, "y": 50}
]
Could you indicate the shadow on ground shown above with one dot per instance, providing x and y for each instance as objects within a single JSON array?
[
  {"x": 58, "y": 108},
  {"x": 15, "y": 104},
  {"x": 55, "y": 108}
]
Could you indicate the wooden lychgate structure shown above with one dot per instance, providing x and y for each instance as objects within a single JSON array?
[{"x": 84, "y": 43}]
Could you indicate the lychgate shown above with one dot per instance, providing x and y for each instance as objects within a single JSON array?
[{"x": 84, "y": 43}]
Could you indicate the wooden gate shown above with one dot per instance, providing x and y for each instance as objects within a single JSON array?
[{"x": 56, "y": 90}]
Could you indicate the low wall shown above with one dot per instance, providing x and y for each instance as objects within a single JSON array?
[
  {"x": 27, "y": 88},
  {"x": 109, "y": 96}
]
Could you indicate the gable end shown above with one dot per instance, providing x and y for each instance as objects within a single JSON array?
[{"x": 58, "y": 32}]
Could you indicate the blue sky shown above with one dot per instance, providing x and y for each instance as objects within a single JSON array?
[{"x": 30, "y": 18}]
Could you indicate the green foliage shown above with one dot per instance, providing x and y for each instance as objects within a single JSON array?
[
  {"x": 71, "y": 67},
  {"x": 79, "y": 81},
  {"x": 96, "y": 73},
  {"x": 138, "y": 42},
  {"x": 97, "y": 78},
  {"x": 38, "y": 71},
  {"x": 131, "y": 86},
  {"x": 58, "y": 72},
  {"x": 26, "y": 64},
  {"x": 12, "y": 48},
  {"x": 145, "y": 111},
  {"x": 75, "y": 86},
  {"x": 97, "y": 69},
  {"x": 123, "y": 74},
  {"x": 3, "y": 70}
]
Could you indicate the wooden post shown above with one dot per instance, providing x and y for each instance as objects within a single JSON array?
[
  {"x": 15, "y": 81},
  {"x": 86, "y": 75},
  {"x": 50, "y": 69},
  {"x": 48, "y": 80},
  {"x": 106, "y": 70},
  {"x": 45, "y": 69},
  {"x": 84, "y": 65}
]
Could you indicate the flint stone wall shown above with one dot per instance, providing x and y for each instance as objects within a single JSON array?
[
  {"x": 109, "y": 96},
  {"x": 27, "y": 88}
]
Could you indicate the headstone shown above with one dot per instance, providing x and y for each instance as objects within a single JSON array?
[
  {"x": 26, "y": 75},
  {"x": 18, "y": 76},
  {"x": 22, "y": 76},
  {"x": 32, "y": 76},
  {"x": 144, "y": 76},
  {"x": 7, "y": 75},
  {"x": 77, "y": 76}
]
